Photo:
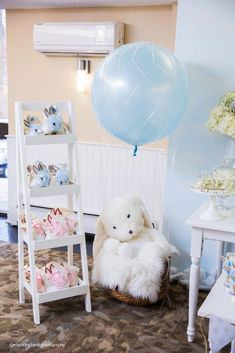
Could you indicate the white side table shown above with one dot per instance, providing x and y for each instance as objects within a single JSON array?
[
  {"x": 221, "y": 231},
  {"x": 220, "y": 304}
]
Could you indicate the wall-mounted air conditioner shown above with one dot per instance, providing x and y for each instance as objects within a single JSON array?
[{"x": 78, "y": 38}]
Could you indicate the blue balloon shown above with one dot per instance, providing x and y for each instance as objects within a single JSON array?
[{"x": 139, "y": 93}]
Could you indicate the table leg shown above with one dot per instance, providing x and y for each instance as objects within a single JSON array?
[
  {"x": 196, "y": 250},
  {"x": 232, "y": 347},
  {"x": 193, "y": 294}
]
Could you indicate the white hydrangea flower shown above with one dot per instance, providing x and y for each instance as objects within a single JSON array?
[
  {"x": 222, "y": 117},
  {"x": 215, "y": 183}
]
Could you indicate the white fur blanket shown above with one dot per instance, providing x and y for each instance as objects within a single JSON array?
[{"x": 128, "y": 253}]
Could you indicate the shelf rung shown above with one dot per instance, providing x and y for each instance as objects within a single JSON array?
[
  {"x": 34, "y": 106},
  {"x": 50, "y": 139},
  {"x": 46, "y": 297},
  {"x": 56, "y": 242},
  {"x": 55, "y": 190},
  {"x": 62, "y": 293}
]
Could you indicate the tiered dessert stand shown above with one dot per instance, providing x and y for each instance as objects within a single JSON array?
[{"x": 211, "y": 213}]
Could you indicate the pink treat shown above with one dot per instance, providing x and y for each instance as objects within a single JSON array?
[
  {"x": 55, "y": 276},
  {"x": 40, "y": 282},
  {"x": 59, "y": 228},
  {"x": 39, "y": 279},
  {"x": 56, "y": 227},
  {"x": 72, "y": 223},
  {"x": 38, "y": 230},
  {"x": 72, "y": 272}
]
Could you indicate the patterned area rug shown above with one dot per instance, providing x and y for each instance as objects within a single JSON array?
[{"x": 112, "y": 326}]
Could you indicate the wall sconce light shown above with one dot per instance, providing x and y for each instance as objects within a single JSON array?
[{"x": 83, "y": 68}]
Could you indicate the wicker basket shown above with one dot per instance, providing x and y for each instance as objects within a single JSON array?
[{"x": 163, "y": 294}]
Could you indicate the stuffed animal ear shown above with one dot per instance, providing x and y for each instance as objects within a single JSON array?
[
  {"x": 146, "y": 216},
  {"x": 52, "y": 109},
  {"x": 29, "y": 168},
  {"x": 147, "y": 219},
  {"x": 35, "y": 169},
  {"x": 26, "y": 123},
  {"x": 100, "y": 237},
  {"x": 32, "y": 119},
  {"x": 46, "y": 112},
  {"x": 52, "y": 168}
]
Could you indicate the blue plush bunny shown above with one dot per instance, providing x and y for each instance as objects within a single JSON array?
[
  {"x": 33, "y": 126},
  {"x": 52, "y": 121},
  {"x": 44, "y": 177},
  {"x": 60, "y": 174},
  {"x": 62, "y": 177},
  {"x": 41, "y": 176}
]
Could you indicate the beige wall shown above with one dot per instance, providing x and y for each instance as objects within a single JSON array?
[{"x": 35, "y": 76}]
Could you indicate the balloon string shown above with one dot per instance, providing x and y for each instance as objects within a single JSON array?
[{"x": 135, "y": 151}]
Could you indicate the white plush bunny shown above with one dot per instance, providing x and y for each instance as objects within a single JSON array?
[
  {"x": 52, "y": 122},
  {"x": 128, "y": 253},
  {"x": 38, "y": 175},
  {"x": 32, "y": 126}
]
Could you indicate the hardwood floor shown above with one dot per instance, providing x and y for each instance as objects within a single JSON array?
[{"x": 8, "y": 233}]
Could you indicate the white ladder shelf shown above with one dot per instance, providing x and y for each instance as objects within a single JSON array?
[{"x": 24, "y": 195}]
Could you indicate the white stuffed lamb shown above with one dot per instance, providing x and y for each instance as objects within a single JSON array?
[{"x": 128, "y": 253}]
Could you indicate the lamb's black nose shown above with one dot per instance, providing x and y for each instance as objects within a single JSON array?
[
  {"x": 130, "y": 231},
  {"x": 53, "y": 124}
]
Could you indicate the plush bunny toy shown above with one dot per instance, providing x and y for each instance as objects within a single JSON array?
[
  {"x": 52, "y": 121},
  {"x": 60, "y": 174},
  {"x": 39, "y": 175},
  {"x": 128, "y": 253},
  {"x": 33, "y": 126}
]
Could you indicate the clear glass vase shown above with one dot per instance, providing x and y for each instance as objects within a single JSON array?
[
  {"x": 229, "y": 158},
  {"x": 228, "y": 163}
]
